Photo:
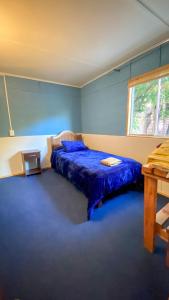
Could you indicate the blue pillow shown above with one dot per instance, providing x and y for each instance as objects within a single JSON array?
[{"x": 72, "y": 146}]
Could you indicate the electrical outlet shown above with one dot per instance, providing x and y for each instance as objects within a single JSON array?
[{"x": 11, "y": 132}]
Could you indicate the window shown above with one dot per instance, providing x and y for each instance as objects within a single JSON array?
[{"x": 149, "y": 104}]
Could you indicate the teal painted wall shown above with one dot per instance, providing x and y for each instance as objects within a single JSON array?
[
  {"x": 39, "y": 108},
  {"x": 104, "y": 101},
  {"x": 100, "y": 107}
]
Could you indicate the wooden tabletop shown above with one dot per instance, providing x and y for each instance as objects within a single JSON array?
[
  {"x": 30, "y": 151},
  {"x": 156, "y": 173}
]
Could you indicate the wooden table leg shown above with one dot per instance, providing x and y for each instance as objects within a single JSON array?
[
  {"x": 167, "y": 256},
  {"x": 150, "y": 203}
]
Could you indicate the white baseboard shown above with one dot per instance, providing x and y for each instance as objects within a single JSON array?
[{"x": 21, "y": 173}]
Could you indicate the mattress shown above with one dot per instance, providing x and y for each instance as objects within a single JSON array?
[{"x": 96, "y": 181}]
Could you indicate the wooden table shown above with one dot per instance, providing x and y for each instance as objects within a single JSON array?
[
  {"x": 151, "y": 227},
  {"x": 28, "y": 156}
]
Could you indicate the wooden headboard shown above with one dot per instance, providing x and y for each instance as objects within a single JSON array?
[{"x": 64, "y": 135}]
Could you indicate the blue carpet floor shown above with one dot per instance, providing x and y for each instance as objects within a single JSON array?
[{"x": 48, "y": 251}]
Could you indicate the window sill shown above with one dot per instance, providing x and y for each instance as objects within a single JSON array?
[{"x": 148, "y": 136}]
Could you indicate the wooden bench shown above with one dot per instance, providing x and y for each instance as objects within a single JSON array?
[
  {"x": 167, "y": 256},
  {"x": 162, "y": 217},
  {"x": 154, "y": 223}
]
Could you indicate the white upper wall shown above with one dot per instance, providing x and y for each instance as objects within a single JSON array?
[{"x": 73, "y": 41}]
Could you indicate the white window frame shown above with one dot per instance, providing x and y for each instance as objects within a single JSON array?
[{"x": 152, "y": 75}]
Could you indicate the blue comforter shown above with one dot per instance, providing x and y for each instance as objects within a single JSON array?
[{"x": 84, "y": 170}]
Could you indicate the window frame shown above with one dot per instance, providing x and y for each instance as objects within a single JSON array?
[{"x": 148, "y": 76}]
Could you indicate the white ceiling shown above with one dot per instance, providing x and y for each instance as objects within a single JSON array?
[{"x": 73, "y": 41}]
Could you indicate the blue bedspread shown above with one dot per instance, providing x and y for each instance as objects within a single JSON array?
[{"x": 84, "y": 170}]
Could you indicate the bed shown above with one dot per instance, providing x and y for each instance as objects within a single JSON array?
[{"x": 84, "y": 169}]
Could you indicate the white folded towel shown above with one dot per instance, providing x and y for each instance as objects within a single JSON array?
[{"x": 110, "y": 161}]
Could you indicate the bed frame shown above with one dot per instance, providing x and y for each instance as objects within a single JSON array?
[
  {"x": 83, "y": 183},
  {"x": 66, "y": 135}
]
